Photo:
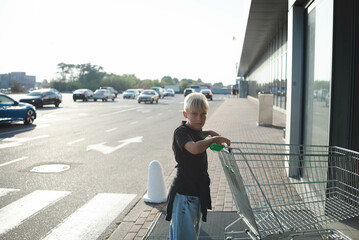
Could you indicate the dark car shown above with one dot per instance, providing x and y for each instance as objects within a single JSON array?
[
  {"x": 83, "y": 94},
  {"x": 148, "y": 96},
  {"x": 42, "y": 97},
  {"x": 207, "y": 93},
  {"x": 188, "y": 91},
  {"x": 13, "y": 111}
]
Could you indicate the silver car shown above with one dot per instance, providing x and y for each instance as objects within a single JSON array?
[
  {"x": 103, "y": 94},
  {"x": 148, "y": 96},
  {"x": 130, "y": 94}
]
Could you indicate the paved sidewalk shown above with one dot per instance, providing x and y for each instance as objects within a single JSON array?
[{"x": 236, "y": 119}]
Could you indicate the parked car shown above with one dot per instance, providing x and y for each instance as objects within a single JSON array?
[
  {"x": 104, "y": 95},
  {"x": 160, "y": 91},
  {"x": 56, "y": 92},
  {"x": 42, "y": 97},
  {"x": 207, "y": 93},
  {"x": 111, "y": 89},
  {"x": 13, "y": 111},
  {"x": 148, "y": 96},
  {"x": 188, "y": 91},
  {"x": 130, "y": 94},
  {"x": 169, "y": 92},
  {"x": 83, "y": 94}
]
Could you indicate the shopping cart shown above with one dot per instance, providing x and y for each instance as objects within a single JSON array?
[{"x": 286, "y": 191}]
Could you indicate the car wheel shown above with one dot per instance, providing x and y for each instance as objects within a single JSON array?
[
  {"x": 113, "y": 99},
  {"x": 139, "y": 101},
  {"x": 74, "y": 100},
  {"x": 157, "y": 101},
  {"x": 30, "y": 117},
  {"x": 39, "y": 105},
  {"x": 151, "y": 101},
  {"x": 57, "y": 103},
  {"x": 95, "y": 100}
]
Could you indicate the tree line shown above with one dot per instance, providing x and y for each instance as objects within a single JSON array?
[{"x": 74, "y": 76}]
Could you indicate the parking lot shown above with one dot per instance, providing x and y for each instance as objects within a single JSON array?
[{"x": 78, "y": 154}]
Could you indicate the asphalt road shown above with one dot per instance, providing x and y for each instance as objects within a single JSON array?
[{"x": 76, "y": 172}]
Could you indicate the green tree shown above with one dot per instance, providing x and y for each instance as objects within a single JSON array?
[
  {"x": 183, "y": 85},
  {"x": 90, "y": 76},
  {"x": 218, "y": 85},
  {"x": 67, "y": 72},
  {"x": 16, "y": 87},
  {"x": 167, "y": 80}
]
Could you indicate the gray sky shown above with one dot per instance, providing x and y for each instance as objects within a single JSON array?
[{"x": 151, "y": 39}]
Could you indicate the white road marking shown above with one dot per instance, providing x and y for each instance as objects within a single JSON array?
[
  {"x": 144, "y": 110},
  {"x": 14, "y": 142},
  {"x": 125, "y": 110},
  {"x": 15, "y": 213},
  {"x": 110, "y": 130},
  {"x": 4, "y": 191},
  {"x": 108, "y": 149},
  {"x": 89, "y": 221},
  {"x": 76, "y": 141},
  {"x": 53, "y": 114},
  {"x": 13, "y": 161}
]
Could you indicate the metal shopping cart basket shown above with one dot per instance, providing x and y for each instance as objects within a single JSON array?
[{"x": 286, "y": 191}]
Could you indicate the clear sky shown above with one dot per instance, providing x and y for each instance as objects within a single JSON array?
[{"x": 149, "y": 38}]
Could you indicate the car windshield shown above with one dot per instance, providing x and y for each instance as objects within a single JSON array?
[
  {"x": 100, "y": 91},
  {"x": 148, "y": 92},
  {"x": 35, "y": 93},
  {"x": 80, "y": 91},
  {"x": 130, "y": 91}
]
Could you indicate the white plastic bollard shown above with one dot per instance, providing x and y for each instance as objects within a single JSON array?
[{"x": 156, "y": 190}]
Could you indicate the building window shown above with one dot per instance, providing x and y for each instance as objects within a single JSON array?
[{"x": 318, "y": 72}]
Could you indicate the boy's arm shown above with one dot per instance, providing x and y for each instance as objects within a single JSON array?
[{"x": 201, "y": 146}]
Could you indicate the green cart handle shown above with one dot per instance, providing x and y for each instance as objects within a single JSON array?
[{"x": 216, "y": 147}]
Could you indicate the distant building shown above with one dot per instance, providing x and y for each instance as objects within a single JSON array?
[{"x": 26, "y": 81}]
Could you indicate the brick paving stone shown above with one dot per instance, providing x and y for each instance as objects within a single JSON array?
[
  {"x": 141, "y": 232},
  {"x": 130, "y": 236},
  {"x": 135, "y": 228},
  {"x": 140, "y": 221}
]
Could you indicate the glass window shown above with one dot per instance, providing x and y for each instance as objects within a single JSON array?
[{"x": 318, "y": 72}]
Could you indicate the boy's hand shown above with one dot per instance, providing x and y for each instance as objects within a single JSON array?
[{"x": 221, "y": 140}]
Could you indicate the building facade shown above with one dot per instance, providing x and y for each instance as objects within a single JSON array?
[
  {"x": 27, "y": 82},
  {"x": 304, "y": 52}
]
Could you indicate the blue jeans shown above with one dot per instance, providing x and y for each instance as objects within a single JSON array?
[{"x": 186, "y": 218}]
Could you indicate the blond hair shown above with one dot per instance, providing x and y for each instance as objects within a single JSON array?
[{"x": 195, "y": 101}]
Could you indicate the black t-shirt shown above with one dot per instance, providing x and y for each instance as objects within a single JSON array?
[
  {"x": 192, "y": 177},
  {"x": 190, "y": 167}
]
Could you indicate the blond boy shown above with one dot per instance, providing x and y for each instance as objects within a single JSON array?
[{"x": 189, "y": 196}]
